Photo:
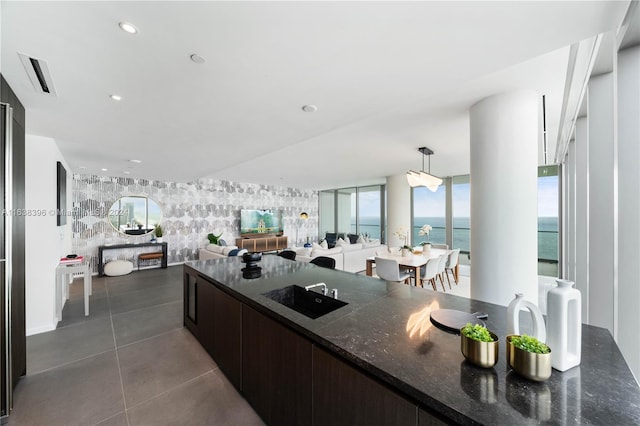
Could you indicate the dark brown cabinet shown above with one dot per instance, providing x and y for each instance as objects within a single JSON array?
[
  {"x": 227, "y": 335},
  {"x": 342, "y": 395},
  {"x": 215, "y": 319},
  {"x": 276, "y": 370},
  {"x": 262, "y": 243}
]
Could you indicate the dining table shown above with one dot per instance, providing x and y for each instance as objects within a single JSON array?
[{"x": 413, "y": 262}]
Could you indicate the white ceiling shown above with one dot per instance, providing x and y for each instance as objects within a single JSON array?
[{"x": 387, "y": 77}]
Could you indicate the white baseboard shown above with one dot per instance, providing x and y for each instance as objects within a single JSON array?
[{"x": 42, "y": 329}]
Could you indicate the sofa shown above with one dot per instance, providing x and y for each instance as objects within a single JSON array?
[
  {"x": 349, "y": 257},
  {"x": 214, "y": 251}
]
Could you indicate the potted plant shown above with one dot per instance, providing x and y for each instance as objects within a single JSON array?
[
  {"x": 426, "y": 245},
  {"x": 529, "y": 357},
  {"x": 406, "y": 250},
  {"x": 478, "y": 345},
  {"x": 159, "y": 232},
  {"x": 214, "y": 239}
]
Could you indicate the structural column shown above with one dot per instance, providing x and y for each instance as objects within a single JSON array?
[
  {"x": 600, "y": 113},
  {"x": 504, "y": 132},
  {"x": 628, "y": 314},
  {"x": 398, "y": 207}
]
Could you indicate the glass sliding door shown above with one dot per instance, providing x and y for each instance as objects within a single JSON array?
[
  {"x": 346, "y": 211},
  {"x": 548, "y": 220},
  {"x": 370, "y": 212},
  {"x": 327, "y": 212},
  {"x": 429, "y": 208},
  {"x": 461, "y": 205},
  {"x": 357, "y": 210}
]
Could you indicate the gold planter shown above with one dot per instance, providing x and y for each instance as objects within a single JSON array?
[
  {"x": 482, "y": 354},
  {"x": 532, "y": 366}
]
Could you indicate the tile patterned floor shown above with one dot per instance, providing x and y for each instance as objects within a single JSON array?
[{"x": 129, "y": 363}]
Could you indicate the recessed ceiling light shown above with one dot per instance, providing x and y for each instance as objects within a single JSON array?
[
  {"x": 130, "y": 28},
  {"x": 116, "y": 97},
  {"x": 197, "y": 58},
  {"x": 136, "y": 161},
  {"x": 309, "y": 108},
  {"x": 104, "y": 170},
  {"x": 127, "y": 172}
]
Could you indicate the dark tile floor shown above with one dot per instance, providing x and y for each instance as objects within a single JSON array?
[{"x": 129, "y": 363}]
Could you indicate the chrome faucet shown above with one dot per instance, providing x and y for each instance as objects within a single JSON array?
[
  {"x": 334, "y": 293},
  {"x": 323, "y": 285}
]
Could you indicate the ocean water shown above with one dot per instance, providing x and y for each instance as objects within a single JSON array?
[{"x": 547, "y": 233}]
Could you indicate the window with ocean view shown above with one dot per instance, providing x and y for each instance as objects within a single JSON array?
[
  {"x": 370, "y": 211},
  {"x": 461, "y": 204},
  {"x": 357, "y": 210},
  {"x": 548, "y": 220},
  {"x": 429, "y": 208}
]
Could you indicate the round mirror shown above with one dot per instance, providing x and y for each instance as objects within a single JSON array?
[{"x": 135, "y": 215}]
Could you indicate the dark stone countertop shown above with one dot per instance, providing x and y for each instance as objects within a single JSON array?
[{"x": 385, "y": 330}]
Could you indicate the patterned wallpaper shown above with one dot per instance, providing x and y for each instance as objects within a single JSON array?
[{"x": 190, "y": 211}]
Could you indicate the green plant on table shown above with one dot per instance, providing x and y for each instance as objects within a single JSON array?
[
  {"x": 477, "y": 332},
  {"x": 158, "y": 231},
  {"x": 530, "y": 344},
  {"x": 406, "y": 247},
  {"x": 214, "y": 239}
]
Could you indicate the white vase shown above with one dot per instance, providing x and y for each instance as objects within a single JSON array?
[
  {"x": 406, "y": 252},
  {"x": 158, "y": 239},
  {"x": 564, "y": 324},
  {"x": 426, "y": 250},
  {"x": 513, "y": 317}
]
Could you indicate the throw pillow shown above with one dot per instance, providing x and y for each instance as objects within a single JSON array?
[
  {"x": 233, "y": 252},
  {"x": 341, "y": 242},
  {"x": 227, "y": 249},
  {"x": 361, "y": 239},
  {"x": 324, "y": 244}
]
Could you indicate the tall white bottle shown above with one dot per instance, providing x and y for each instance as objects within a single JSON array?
[
  {"x": 513, "y": 317},
  {"x": 564, "y": 325}
]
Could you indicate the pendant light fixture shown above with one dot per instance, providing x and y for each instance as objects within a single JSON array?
[{"x": 423, "y": 178}]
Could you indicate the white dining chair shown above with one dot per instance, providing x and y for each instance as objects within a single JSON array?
[
  {"x": 389, "y": 270},
  {"x": 429, "y": 273},
  {"x": 452, "y": 262},
  {"x": 442, "y": 263}
]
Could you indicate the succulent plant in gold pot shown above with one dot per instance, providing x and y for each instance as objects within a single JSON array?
[
  {"x": 478, "y": 345},
  {"x": 529, "y": 357}
]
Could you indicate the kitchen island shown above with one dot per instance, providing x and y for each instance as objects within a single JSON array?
[{"x": 378, "y": 360}]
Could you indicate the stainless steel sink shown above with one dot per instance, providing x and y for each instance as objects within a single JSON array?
[{"x": 309, "y": 303}]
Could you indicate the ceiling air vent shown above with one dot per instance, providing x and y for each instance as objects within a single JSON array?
[{"x": 39, "y": 74}]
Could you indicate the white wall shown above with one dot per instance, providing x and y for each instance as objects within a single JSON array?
[{"x": 45, "y": 242}]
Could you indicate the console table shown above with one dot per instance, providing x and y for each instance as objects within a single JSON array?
[
  {"x": 101, "y": 249},
  {"x": 62, "y": 285}
]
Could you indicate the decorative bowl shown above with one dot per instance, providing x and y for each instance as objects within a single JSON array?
[
  {"x": 530, "y": 365},
  {"x": 482, "y": 354},
  {"x": 251, "y": 257}
]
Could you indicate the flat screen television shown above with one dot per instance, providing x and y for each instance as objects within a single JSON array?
[{"x": 260, "y": 222}]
